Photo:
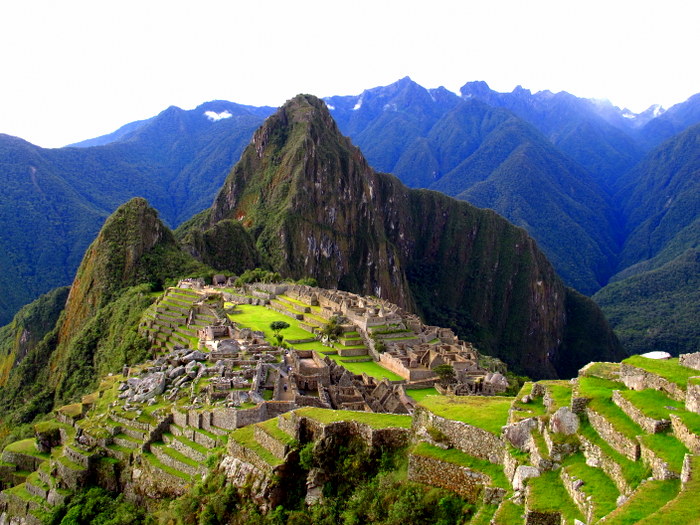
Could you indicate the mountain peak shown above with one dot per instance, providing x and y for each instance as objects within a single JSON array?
[{"x": 133, "y": 247}]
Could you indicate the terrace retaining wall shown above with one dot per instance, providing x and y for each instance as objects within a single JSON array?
[
  {"x": 615, "y": 439},
  {"x": 466, "y": 482},
  {"x": 469, "y": 439},
  {"x": 638, "y": 379}
]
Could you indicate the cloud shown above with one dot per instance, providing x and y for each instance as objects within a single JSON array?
[{"x": 214, "y": 116}]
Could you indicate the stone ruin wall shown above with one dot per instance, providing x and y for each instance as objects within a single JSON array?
[
  {"x": 470, "y": 440},
  {"x": 637, "y": 379},
  {"x": 466, "y": 482},
  {"x": 690, "y": 360}
]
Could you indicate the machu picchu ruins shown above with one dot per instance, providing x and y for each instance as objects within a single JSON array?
[{"x": 222, "y": 390}]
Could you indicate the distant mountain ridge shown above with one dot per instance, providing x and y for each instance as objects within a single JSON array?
[{"x": 552, "y": 163}]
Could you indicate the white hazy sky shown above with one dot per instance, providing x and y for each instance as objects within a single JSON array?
[{"x": 73, "y": 70}]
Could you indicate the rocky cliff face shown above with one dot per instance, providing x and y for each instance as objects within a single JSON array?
[{"x": 313, "y": 207}]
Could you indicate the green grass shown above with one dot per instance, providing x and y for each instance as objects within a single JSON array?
[
  {"x": 559, "y": 392},
  {"x": 652, "y": 403},
  {"x": 538, "y": 438},
  {"x": 547, "y": 494},
  {"x": 371, "y": 368},
  {"x": 372, "y": 419},
  {"x": 176, "y": 455},
  {"x": 484, "y": 515},
  {"x": 668, "y": 448},
  {"x": 70, "y": 464},
  {"x": 276, "y": 432},
  {"x": 603, "y": 370},
  {"x": 633, "y": 471},
  {"x": 457, "y": 457},
  {"x": 596, "y": 484},
  {"x": 20, "y": 491},
  {"x": 691, "y": 420},
  {"x": 192, "y": 444},
  {"x": 534, "y": 408},
  {"x": 667, "y": 368},
  {"x": 684, "y": 508},
  {"x": 600, "y": 392},
  {"x": 258, "y": 318},
  {"x": 487, "y": 412},
  {"x": 419, "y": 394},
  {"x": 508, "y": 513},
  {"x": 246, "y": 437},
  {"x": 162, "y": 466},
  {"x": 26, "y": 447},
  {"x": 648, "y": 498}
]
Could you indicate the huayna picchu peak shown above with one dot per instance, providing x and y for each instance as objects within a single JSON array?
[{"x": 311, "y": 205}]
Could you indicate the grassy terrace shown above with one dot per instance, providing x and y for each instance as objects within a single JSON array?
[
  {"x": 509, "y": 513},
  {"x": 691, "y": 420},
  {"x": 669, "y": 369},
  {"x": 534, "y": 408},
  {"x": 600, "y": 392},
  {"x": 419, "y": 394},
  {"x": 560, "y": 392},
  {"x": 596, "y": 484},
  {"x": 653, "y": 403},
  {"x": 547, "y": 494},
  {"x": 484, "y": 515},
  {"x": 684, "y": 508},
  {"x": 371, "y": 368},
  {"x": 603, "y": 370},
  {"x": 246, "y": 436},
  {"x": 372, "y": 419},
  {"x": 457, "y": 457},
  {"x": 667, "y": 448},
  {"x": 165, "y": 468},
  {"x": 26, "y": 447},
  {"x": 649, "y": 498},
  {"x": 276, "y": 432},
  {"x": 258, "y": 318},
  {"x": 633, "y": 471},
  {"x": 487, "y": 412}
]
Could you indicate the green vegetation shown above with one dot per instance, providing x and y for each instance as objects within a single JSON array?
[
  {"x": 649, "y": 498},
  {"x": 600, "y": 392},
  {"x": 596, "y": 485},
  {"x": 372, "y": 419},
  {"x": 653, "y": 403},
  {"x": 667, "y": 368},
  {"x": 509, "y": 513},
  {"x": 246, "y": 437},
  {"x": 632, "y": 471},
  {"x": 489, "y": 413},
  {"x": 602, "y": 370},
  {"x": 559, "y": 392},
  {"x": 668, "y": 448},
  {"x": 418, "y": 394},
  {"x": 683, "y": 509},
  {"x": 547, "y": 494},
  {"x": 446, "y": 373},
  {"x": 657, "y": 308}
]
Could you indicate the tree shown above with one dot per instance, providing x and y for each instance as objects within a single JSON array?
[
  {"x": 277, "y": 327},
  {"x": 332, "y": 329},
  {"x": 446, "y": 373}
]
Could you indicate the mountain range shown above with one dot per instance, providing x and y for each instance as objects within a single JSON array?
[{"x": 581, "y": 176}]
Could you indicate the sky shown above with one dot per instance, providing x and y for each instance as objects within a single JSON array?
[{"x": 73, "y": 70}]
